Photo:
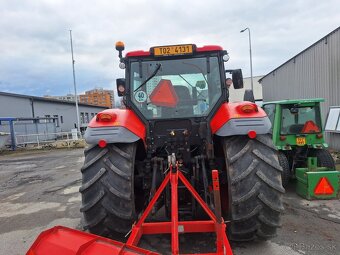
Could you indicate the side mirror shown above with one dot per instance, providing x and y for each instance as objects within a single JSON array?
[
  {"x": 237, "y": 79},
  {"x": 249, "y": 95},
  {"x": 120, "y": 87},
  {"x": 294, "y": 110}
]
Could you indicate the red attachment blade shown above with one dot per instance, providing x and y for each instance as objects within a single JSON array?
[{"x": 61, "y": 240}]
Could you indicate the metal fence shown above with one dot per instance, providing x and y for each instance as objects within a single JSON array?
[
  {"x": 45, "y": 138},
  {"x": 4, "y": 137}
]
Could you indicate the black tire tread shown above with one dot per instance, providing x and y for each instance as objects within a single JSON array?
[
  {"x": 93, "y": 160},
  {"x": 324, "y": 157},
  {"x": 272, "y": 204},
  {"x": 92, "y": 181},
  {"x": 284, "y": 163},
  {"x": 245, "y": 173},
  {"x": 255, "y": 188},
  {"x": 108, "y": 204},
  {"x": 113, "y": 168},
  {"x": 273, "y": 164},
  {"x": 269, "y": 222},
  {"x": 271, "y": 183},
  {"x": 245, "y": 197},
  {"x": 93, "y": 202}
]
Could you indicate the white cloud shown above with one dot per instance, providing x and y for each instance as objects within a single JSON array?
[{"x": 35, "y": 50}]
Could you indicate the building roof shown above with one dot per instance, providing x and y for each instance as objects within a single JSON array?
[
  {"x": 323, "y": 38},
  {"x": 44, "y": 99}
]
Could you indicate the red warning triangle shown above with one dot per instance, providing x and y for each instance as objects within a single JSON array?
[
  {"x": 164, "y": 94},
  {"x": 323, "y": 187},
  {"x": 310, "y": 127}
]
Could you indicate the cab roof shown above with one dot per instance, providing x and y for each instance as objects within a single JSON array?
[
  {"x": 296, "y": 101},
  {"x": 142, "y": 53}
]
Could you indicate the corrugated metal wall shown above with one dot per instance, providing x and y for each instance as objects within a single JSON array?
[{"x": 313, "y": 73}]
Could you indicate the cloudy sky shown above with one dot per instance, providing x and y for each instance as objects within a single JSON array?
[{"x": 35, "y": 54}]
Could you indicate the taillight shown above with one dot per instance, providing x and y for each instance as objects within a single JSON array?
[
  {"x": 319, "y": 136},
  {"x": 102, "y": 143},
  {"x": 252, "y": 134},
  {"x": 106, "y": 117},
  {"x": 248, "y": 108},
  {"x": 282, "y": 137}
]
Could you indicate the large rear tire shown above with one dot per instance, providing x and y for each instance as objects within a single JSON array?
[
  {"x": 284, "y": 163},
  {"x": 324, "y": 157},
  {"x": 108, "y": 200},
  {"x": 255, "y": 187}
]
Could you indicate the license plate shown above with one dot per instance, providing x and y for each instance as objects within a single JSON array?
[
  {"x": 300, "y": 141},
  {"x": 173, "y": 50}
]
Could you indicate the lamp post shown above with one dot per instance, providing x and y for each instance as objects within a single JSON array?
[
  {"x": 251, "y": 61},
  {"x": 74, "y": 84}
]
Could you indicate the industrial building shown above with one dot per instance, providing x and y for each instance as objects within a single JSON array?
[
  {"x": 68, "y": 97},
  {"x": 313, "y": 73},
  {"x": 236, "y": 95},
  {"x": 63, "y": 113}
]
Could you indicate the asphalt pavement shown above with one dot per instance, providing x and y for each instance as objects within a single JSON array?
[{"x": 39, "y": 189}]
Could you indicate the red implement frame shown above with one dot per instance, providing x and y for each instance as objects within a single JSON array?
[
  {"x": 174, "y": 227},
  {"x": 64, "y": 241}
]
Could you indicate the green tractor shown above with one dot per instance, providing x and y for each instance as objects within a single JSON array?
[{"x": 297, "y": 133}]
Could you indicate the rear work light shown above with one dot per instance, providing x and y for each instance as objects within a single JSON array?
[
  {"x": 106, "y": 117},
  {"x": 248, "y": 108}
]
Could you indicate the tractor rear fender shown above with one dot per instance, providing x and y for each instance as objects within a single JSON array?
[
  {"x": 120, "y": 126},
  {"x": 240, "y": 118}
]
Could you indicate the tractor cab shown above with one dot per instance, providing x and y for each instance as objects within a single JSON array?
[
  {"x": 296, "y": 123},
  {"x": 297, "y": 133},
  {"x": 175, "y": 90},
  {"x": 180, "y": 81}
]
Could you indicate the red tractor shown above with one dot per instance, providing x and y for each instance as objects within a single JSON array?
[{"x": 177, "y": 109}]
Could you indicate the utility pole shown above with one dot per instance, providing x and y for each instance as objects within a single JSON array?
[
  {"x": 74, "y": 84},
  {"x": 251, "y": 61}
]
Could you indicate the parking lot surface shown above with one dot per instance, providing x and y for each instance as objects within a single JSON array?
[{"x": 39, "y": 189}]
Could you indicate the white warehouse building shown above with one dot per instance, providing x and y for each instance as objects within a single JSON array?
[
  {"x": 236, "y": 95},
  {"x": 64, "y": 112},
  {"x": 313, "y": 73}
]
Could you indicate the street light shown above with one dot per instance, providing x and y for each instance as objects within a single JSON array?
[
  {"x": 74, "y": 84},
  {"x": 251, "y": 61}
]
